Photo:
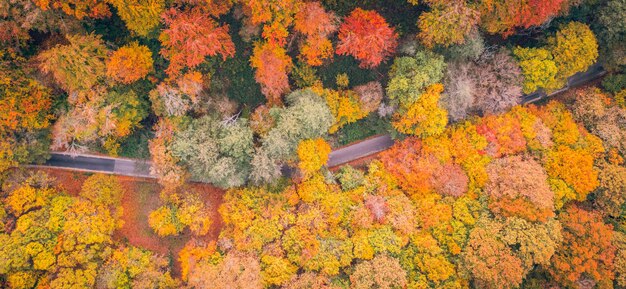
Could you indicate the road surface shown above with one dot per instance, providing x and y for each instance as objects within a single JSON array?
[
  {"x": 368, "y": 147},
  {"x": 99, "y": 164},
  {"x": 359, "y": 150}
]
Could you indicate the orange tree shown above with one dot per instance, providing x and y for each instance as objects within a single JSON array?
[
  {"x": 366, "y": 36},
  {"x": 129, "y": 63},
  {"x": 190, "y": 37}
]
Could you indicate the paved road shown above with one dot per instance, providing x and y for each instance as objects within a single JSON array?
[
  {"x": 101, "y": 164},
  {"x": 359, "y": 150},
  {"x": 141, "y": 168}
]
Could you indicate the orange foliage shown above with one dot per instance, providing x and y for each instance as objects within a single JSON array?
[
  {"x": 190, "y": 37},
  {"x": 587, "y": 250},
  {"x": 413, "y": 169},
  {"x": 575, "y": 167},
  {"x": 272, "y": 65},
  {"x": 129, "y": 63},
  {"x": 366, "y": 35},
  {"x": 504, "y": 134},
  {"x": 77, "y": 8},
  {"x": 164, "y": 165},
  {"x": 277, "y": 15},
  {"x": 316, "y": 24}
]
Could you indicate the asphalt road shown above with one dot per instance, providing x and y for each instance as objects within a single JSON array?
[
  {"x": 141, "y": 168},
  {"x": 359, "y": 150},
  {"x": 101, "y": 164}
]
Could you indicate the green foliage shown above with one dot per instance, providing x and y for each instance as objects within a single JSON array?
[
  {"x": 409, "y": 76},
  {"x": 614, "y": 83},
  {"x": 215, "y": 151}
]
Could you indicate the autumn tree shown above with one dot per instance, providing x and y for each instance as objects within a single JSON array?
[
  {"x": 490, "y": 261},
  {"x": 78, "y": 8},
  {"x": 611, "y": 194},
  {"x": 316, "y": 24},
  {"x": 424, "y": 117},
  {"x": 410, "y": 76},
  {"x": 129, "y": 63},
  {"x": 380, "y": 272},
  {"x": 366, "y": 36},
  {"x": 587, "y": 251},
  {"x": 504, "y": 16},
  {"x": 411, "y": 165},
  {"x": 345, "y": 105},
  {"x": 67, "y": 237},
  {"x": 276, "y": 16},
  {"x": 460, "y": 91},
  {"x": 104, "y": 120},
  {"x": 370, "y": 95},
  {"x": 498, "y": 83},
  {"x": 233, "y": 270},
  {"x": 313, "y": 154},
  {"x": 447, "y": 24},
  {"x": 272, "y": 65},
  {"x": 538, "y": 67},
  {"x": 21, "y": 16},
  {"x": 519, "y": 187},
  {"x": 574, "y": 48},
  {"x": 136, "y": 268},
  {"x": 190, "y": 37},
  {"x": 140, "y": 16},
  {"x": 575, "y": 168},
  {"x": 77, "y": 65},
  {"x": 24, "y": 112},
  {"x": 165, "y": 166},
  {"x": 188, "y": 210}
]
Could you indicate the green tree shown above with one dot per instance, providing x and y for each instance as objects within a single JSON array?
[
  {"x": 409, "y": 76},
  {"x": 216, "y": 151}
]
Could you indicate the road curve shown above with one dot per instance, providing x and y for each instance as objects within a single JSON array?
[{"x": 368, "y": 147}]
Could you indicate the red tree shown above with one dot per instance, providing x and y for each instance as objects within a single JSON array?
[
  {"x": 272, "y": 65},
  {"x": 366, "y": 35},
  {"x": 190, "y": 37},
  {"x": 316, "y": 24}
]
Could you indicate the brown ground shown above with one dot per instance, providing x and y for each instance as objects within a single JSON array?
[{"x": 142, "y": 197}]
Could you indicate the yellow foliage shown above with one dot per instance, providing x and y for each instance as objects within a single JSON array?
[
  {"x": 276, "y": 271},
  {"x": 345, "y": 105},
  {"x": 424, "y": 117},
  {"x": 26, "y": 197},
  {"x": 313, "y": 154}
]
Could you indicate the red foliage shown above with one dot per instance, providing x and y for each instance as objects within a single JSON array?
[
  {"x": 587, "y": 250},
  {"x": 366, "y": 35},
  {"x": 504, "y": 134},
  {"x": 272, "y": 65},
  {"x": 191, "y": 36},
  {"x": 450, "y": 180},
  {"x": 410, "y": 165}
]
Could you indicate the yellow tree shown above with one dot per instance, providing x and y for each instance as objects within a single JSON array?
[
  {"x": 574, "y": 48},
  {"x": 424, "y": 117},
  {"x": 140, "y": 16},
  {"x": 313, "y": 154},
  {"x": 129, "y": 63}
]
